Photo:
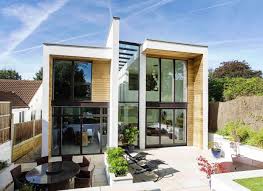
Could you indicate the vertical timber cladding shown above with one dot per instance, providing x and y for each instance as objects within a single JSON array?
[
  {"x": 100, "y": 81},
  {"x": 195, "y": 102}
]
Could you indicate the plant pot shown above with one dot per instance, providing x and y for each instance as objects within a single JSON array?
[{"x": 216, "y": 153}]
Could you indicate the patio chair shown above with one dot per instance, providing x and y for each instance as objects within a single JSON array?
[
  {"x": 18, "y": 177},
  {"x": 67, "y": 157},
  {"x": 138, "y": 157},
  {"x": 84, "y": 179},
  {"x": 85, "y": 162},
  {"x": 42, "y": 160},
  {"x": 149, "y": 166}
]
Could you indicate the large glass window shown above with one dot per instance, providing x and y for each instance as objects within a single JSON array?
[
  {"x": 63, "y": 79},
  {"x": 180, "y": 81},
  {"x": 82, "y": 80},
  {"x": 152, "y": 79},
  {"x": 128, "y": 117},
  {"x": 72, "y": 80},
  {"x": 167, "y": 126},
  {"x": 167, "y": 80}
]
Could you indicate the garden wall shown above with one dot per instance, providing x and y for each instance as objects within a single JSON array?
[{"x": 248, "y": 109}]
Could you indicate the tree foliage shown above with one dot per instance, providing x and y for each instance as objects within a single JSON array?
[
  {"x": 235, "y": 69},
  {"x": 39, "y": 74},
  {"x": 9, "y": 74}
]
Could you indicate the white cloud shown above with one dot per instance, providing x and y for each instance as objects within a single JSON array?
[{"x": 31, "y": 17}]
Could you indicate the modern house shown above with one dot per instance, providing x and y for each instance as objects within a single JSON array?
[
  {"x": 25, "y": 97},
  {"x": 90, "y": 94}
]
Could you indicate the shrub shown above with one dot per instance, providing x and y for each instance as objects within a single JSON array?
[
  {"x": 119, "y": 166},
  {"x": 257, "y": 139},
  {"x": 114, "y": 153},
  {"x": 130, "y": 134},
  {"x": 117, "y": 163},
  {"x": 3, "y": 164},
  {"x": 27, "y": 187},
  {"x": 237, "y": 131}
]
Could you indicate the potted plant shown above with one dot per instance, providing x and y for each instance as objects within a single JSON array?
[
  {"x": 129, "y": 137},
  {"x": 216, "y": 150}
]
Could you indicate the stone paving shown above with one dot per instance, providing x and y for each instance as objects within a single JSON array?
[{"x": 184, "y": 161}]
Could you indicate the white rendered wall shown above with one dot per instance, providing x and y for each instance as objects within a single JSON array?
[
  {"x": 113, "y": 43},
  {"x": 142, "y": 99},
  {"x": 45, "y": 101}
]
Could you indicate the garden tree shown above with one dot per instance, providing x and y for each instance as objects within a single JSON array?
[
  {"x": 39, "y": 74},
  {"x": 235, "y": 69},
  {"x": 9, "y": 74}
]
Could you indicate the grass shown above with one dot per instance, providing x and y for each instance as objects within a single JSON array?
[{"x": 254, "y": 184}]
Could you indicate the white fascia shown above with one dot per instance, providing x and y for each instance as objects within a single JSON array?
[{"x": 173, "y": 46}]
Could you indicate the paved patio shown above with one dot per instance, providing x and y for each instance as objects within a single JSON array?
[{"x": 183, "y": 160}]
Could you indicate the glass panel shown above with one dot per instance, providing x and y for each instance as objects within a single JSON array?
[
  {"x": 128, "y": 117},
  {"x": 167, "y": 126},
  {"x": 129, "y": 82},
  {"x": 63, "y": 79},
  {"x": 180, "y": 126},
  {"x": 152, "y": 127},
  {"x": 180, "y": 81},
  {"x": 152, "y": 79},
  {"x": 71, "y": 110},
  {"x": 91, "y": 135},
  {"x": 71, "y": 139},
  {"x": 167, "y": 80},
  {"x": 82, "y": 80},
  {"x": 104, "y": 133},
  {"x": 56, "y": 135},
  {"x": 87, "y": 111}
]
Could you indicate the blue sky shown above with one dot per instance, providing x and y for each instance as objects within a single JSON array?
[{"x": 233, "y": 29}]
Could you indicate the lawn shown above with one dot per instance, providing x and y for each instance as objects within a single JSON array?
[{"x": 254, "y": 184}]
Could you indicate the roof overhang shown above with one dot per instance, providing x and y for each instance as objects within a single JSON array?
[
  {"x": 172, "y": 49},
  {"x": 80, "y": 52}
]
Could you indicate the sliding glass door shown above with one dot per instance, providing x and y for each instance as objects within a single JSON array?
[
  {"x": 165, "y": 127},
  {"x": 79, "y": 130}
]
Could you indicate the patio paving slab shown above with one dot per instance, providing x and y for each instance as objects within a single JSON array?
[{"x": 184, "y": 161}]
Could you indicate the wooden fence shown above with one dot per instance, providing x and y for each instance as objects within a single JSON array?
[
  {"x": 5, "y": 121},
  {"x": 26, "y": 130}
]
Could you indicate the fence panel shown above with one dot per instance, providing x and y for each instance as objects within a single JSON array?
[
  {"x": 5, "y": 121},
  {"x": 26, "y": 130}
]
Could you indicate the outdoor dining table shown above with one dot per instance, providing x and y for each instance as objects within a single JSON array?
[{"x": 53, "y": 173}]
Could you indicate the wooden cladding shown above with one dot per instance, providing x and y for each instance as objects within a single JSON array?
[
  {"x": 195, "y": 102},
  {"x": 100, "y": 81}
]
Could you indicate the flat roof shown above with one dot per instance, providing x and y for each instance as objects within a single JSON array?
[
  {"x": 72, "y": 45},
  {"x": 188, "y": 44}
]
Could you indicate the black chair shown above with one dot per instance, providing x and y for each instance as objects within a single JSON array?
[
  {"x": 85, "y": 162},
  {"x": 138, "y": 157},
  {"x": 42, "y": 160},
  {"x": 85, "y": 178},
  {"x": 67, "y": 157},
  {"x": 18, "y": 177},
  {"x": 149, "y": 166}
]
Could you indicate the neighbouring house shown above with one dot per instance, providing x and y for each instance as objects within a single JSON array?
[
  {"x": 90, "y": 94},
  {"x": 25, "y": 97}
]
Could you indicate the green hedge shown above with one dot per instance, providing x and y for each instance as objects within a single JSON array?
[{"x": 224, "y": 89}]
